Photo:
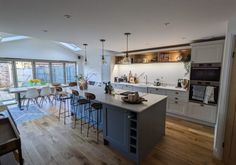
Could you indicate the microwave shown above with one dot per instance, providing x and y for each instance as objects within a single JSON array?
[{"x": 205, "y": 72}]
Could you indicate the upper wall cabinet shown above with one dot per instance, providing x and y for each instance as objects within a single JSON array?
[
  {"x": 207, "y": 52},
  {"x": 177, "y": 55}
]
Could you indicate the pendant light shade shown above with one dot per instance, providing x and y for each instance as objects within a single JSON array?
[
  {"x": 103, "y": 58},
  {"x": 85, "y": 54},
  {"x": 127, "y": 58}
]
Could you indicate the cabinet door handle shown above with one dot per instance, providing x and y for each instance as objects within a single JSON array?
[
  {"x": 177, "y": 93},
  {"x": 176, "y": 102},
  {"x": 176, "y": 98}
]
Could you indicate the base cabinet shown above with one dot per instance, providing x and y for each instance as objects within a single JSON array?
[
  {"x": 176, "y": 107},
  {"x": 206, "y": 113},
  {"x": 115, "y": 128}
]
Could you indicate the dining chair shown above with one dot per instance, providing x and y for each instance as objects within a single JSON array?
[
  {"x": 32, "y": 94},
  {"x": 72, "y": 84},
  {"x": 45, "y": 94}
]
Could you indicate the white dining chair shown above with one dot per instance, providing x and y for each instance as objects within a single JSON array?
[
  {"x": 32, "y": 95},
  {"x": 45, "y": 94}
]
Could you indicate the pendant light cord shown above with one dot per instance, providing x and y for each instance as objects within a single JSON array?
[{"x": 127, "y": 44}]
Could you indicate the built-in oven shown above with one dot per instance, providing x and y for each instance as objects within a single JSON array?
[
  {"x": 204, "y": 92},
  {"x": 205, "y": 72},
  {"x": 204, "y": 82}
]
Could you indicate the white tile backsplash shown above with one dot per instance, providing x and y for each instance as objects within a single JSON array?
[{"x": 168, "y": 73}]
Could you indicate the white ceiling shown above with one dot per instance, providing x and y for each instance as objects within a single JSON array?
[{"x": 94, "y": 19}]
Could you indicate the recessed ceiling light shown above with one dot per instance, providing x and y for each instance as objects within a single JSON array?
[
  {"x": 167, "y": 23},
  {"x": 45, "y": 31},
  {"x": 67, "y": 16}
]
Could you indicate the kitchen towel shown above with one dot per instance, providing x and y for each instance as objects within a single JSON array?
[
  {"x": 198, "y": 92},
  {"x": 209, "y": 95}
]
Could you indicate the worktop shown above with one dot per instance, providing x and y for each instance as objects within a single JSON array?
[
  {"x": 143, "y": 85},
  {"x": 115, "y": 100}
]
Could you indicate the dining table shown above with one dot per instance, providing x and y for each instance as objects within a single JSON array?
[{"x": 19, "y": 90}]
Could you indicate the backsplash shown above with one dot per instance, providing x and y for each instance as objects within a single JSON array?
[{"x": 168, "y": 73}]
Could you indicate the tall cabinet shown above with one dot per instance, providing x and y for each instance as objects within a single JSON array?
[{"x": 207, "y": 52}]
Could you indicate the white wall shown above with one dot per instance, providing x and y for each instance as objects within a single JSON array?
[
  {"x": 36, "y": 49},
  {"x": 167, "y": 72},
  {"x": 94, "y": 68},
  {"x": 224, "y": 89}
]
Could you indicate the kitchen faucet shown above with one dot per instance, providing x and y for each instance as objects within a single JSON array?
[{"x": 146, "y": 79}]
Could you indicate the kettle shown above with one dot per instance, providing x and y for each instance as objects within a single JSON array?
[{"x": 179, "y": 84}]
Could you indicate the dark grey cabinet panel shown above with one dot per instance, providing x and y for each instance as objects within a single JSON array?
[{"x": 116, "y": 127}]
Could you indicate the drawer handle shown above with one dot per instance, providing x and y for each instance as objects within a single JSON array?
[
  {"x": 176, "y": 98},
  {"x": 202, "y": 105},
  {"x": 156, "y": 89},
  {"x": 176, "y": 102},
  {"x": 177, "y": 93}
]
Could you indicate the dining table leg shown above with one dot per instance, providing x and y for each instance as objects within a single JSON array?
[{"x": 19, "y": 101}]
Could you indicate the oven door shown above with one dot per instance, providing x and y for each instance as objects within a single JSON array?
[{"x": 205, "y": 74}]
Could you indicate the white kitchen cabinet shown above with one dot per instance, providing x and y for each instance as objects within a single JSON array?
[
  {"x": 140, "y": 89},
  {"x": 117, "y": 86},
  {"x": 156, "y": 91},
  {"x": 207, "y": 52},
  {"x": 206, "y": 113},
  {"x": 177, "y": 107},
  {"x": 127, "y": 87}
]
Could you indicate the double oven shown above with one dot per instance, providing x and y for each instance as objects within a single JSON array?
[{"x": 204, "y": 82}]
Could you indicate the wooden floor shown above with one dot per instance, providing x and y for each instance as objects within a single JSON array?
[{"x": 47, "y": 141}]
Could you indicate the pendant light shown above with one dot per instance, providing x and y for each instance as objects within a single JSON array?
[
  {"x": 85, "y": 54},
  {"x": 127, "y": 59},
  {"x": 103, "y": 58}
]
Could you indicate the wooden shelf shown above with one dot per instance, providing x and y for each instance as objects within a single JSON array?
[{"x": 180, "y": 55}]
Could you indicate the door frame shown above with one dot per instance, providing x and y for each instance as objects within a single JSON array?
[{"x": 231, "y": 114}]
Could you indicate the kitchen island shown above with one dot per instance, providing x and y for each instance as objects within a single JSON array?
[{"x": 133, "y": 129}]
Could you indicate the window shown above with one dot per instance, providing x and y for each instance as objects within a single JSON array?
[
  {"x": 6, "y": 80},
  {"x": 70, "y": 72},
  {"x": 42, "y": 71},
  {"x": 24, "y": 73},
  {"x": 58, "y": 73}
]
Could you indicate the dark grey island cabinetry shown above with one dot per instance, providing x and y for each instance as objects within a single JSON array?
[
  {"x": 134, "y": 133},
  {"x": 132, "y": 129}
]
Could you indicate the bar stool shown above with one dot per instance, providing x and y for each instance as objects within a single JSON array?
[
  {"x": 77, "y": 104},
  {"x": 64, "y": 98},
  {"x": 94, "y": 107}
]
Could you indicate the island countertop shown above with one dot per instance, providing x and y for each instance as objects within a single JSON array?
[{"x": 115, "y": 100}]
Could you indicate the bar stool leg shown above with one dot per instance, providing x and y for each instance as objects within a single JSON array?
[
  {"x": 88, "y": 122},
  {"x": 97, "y": 125},
  {"x": 64, "y": 112},
  {"x": 75, "y": 116},
  {"x": 59, "y": 111}
]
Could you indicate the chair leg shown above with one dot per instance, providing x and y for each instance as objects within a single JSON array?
[{"x": 27, "y": 106}]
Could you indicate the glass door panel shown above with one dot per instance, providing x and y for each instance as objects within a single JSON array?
[
  {"x": 24, "y": 73},
  {"x": 6, "y": 80},
  {"x": 58, "y": 73},
  {"x": 42, "y": 71},
  {"x": 70, "y": 72}
]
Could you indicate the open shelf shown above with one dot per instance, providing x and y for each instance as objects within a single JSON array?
[{"x": 180, "y": 55}]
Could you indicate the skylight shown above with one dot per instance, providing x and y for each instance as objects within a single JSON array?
[
  {"x": 12, "y": 38},
  {"x": 70, "y": 46}
]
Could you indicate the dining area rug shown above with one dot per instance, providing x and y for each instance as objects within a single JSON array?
[{"x": 21, "y": 116}]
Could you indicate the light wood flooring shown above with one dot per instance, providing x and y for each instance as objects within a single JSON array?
[{"x": 47, "y": 141}]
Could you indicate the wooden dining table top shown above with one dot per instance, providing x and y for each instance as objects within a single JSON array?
[{"x": 24, "y": 89}]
